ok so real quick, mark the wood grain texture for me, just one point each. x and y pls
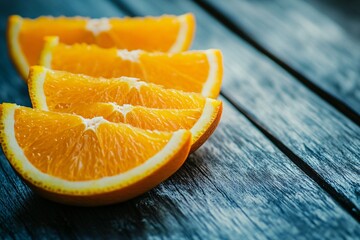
(325, 139)
(324, 51)
(236, 186)
(347, 15)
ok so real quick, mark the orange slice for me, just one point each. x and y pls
(200, 122)
(74, 160)
(164, 33)
(53, 90)
(192, 71)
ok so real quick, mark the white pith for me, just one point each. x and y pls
(203, 122)
(38, 85)
(93, 123)
(132, 56)
(15, 48)
(124, 109)
(212, 77)
(178, 45)
(97, 26)
(46, 54)
(132, 82)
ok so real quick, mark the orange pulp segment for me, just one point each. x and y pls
(52, 90)
(74, 160)
(192, 71)
(200, 122)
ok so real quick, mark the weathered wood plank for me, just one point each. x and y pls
(346, 15)
(325, 139)
(303, 37)
(238, 185)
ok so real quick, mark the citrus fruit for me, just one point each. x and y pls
(164, 33)
(191, 71)
(79, 161)
(52, 90)
(200, 122)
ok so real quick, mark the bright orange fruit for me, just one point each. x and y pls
(201, 122)
(53, 90)
(165, 33)
(192, 71)
(80, 161)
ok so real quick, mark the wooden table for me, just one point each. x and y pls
(284, 162)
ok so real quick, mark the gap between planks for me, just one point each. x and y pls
(333, 101)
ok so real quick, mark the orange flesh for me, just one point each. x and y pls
(62, 88)
(153, 34)
(145, 118)
(93, 61)
(127, 33)
(186, 71)
(33, 31)
(77, 154)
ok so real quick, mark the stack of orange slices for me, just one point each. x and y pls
(97, 134)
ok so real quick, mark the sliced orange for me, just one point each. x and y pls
(164, 33)
(192, 71)
(74, 160)
(53, 90)
(200, 122)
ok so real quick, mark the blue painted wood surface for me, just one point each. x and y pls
(283, 163)
(314, 134)
(323, 50)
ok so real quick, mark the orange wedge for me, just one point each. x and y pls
(164, 33)
(53, 90)
(79, 161)
(200, 122)
(192, 71)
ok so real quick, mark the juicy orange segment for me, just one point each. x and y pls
(81, 161)
(164, 33)
(53, 90)
(200, 122)
(192, 71)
